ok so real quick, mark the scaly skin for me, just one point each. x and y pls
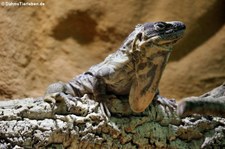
(211, 103)
(134, 69)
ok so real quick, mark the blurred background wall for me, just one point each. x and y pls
(55, 42)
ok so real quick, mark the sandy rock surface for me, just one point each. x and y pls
(55, 42)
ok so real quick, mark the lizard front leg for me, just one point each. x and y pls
(99, 92)
(53, 91)
(59, 93)
(170, 103)
(88, 83)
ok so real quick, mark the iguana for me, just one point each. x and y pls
(134, 69)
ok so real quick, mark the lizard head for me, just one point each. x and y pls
(163, 33)
(160, 34)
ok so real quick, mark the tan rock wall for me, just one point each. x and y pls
(41, 45)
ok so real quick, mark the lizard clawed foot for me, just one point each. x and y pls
(102, 99)
(182, 108)
(105, 110)
(165, 102)
(51, 98)
(60, 99)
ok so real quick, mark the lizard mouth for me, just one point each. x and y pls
(167, 39)
(170, 37)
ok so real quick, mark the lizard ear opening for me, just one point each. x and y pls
(138, 38)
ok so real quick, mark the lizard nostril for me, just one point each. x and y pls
(181, 26)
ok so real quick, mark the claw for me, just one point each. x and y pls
(166, 102)
(105, 110)
(51, 98)
(59, 99)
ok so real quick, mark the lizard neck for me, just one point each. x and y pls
(157, 67)
(150, 67)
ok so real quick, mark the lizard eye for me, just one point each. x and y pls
(160, 26)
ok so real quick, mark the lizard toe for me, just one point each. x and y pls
(105, 111)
